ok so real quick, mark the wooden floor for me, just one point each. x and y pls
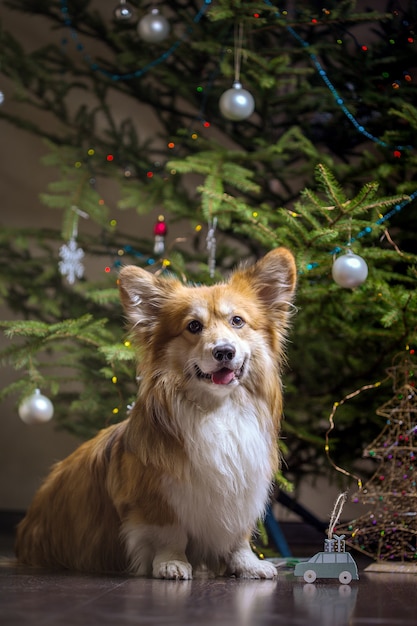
(33, 597)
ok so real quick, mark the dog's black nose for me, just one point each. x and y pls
(224, 352)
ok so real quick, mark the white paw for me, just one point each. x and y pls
(249, 566)
(263, 569)
(173, 570)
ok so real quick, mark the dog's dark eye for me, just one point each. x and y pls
(195, 326)
(237, 321)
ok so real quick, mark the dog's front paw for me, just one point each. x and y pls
(247, 565)
(173, 570)
(262, 569)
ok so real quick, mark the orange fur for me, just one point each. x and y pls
(182, 481)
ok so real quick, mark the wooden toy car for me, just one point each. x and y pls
(334, 562)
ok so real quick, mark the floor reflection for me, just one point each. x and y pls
(203, 602)
(326, 604)
(252, 599)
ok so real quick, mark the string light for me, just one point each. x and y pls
(336, 405)
(322, 73)
(309, 266)
(397, 150)
(338, 99)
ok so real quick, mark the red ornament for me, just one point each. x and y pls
(160, 227)
(160, 230)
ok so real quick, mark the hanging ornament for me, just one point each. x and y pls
(71, 266)
(123, 12)
(211, 246)
(153, 27)
(160, 231)
(71, 256)
(349, 270)
(237, 104)
(36, 409)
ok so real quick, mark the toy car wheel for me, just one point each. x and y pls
(310, 576)
(345, 578)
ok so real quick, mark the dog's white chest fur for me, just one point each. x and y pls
(229, 480)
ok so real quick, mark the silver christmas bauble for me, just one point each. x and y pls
(236, 103)
(153, 27)
(123, 12)
(36, 409)
(349, 270)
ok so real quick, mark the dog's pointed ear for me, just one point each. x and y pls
(274, 279)
(141, 293)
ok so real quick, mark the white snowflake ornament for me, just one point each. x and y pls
(71, 266)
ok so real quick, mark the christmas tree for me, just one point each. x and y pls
(388, 531)
(323, 164)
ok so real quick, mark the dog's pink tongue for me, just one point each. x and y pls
(223, 376)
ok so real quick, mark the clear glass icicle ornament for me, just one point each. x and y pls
(211, 246)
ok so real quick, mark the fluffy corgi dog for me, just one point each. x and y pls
(181, 482)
